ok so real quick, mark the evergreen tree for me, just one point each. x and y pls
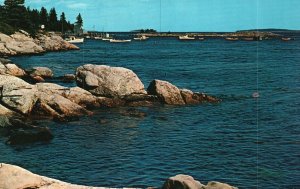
(34, 18)
(62, 22)
(53, 23)
(16, 14)
(44, 17)
(79, 20)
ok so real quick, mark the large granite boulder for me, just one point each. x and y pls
(43, 72)
(45, 99)
(7, 67)
(188, 182)
(166, 92)
(106, 81)
(21, 43)
(218, 185)
(182, 182)
(53, 42)
(17, 94)
(14, 177)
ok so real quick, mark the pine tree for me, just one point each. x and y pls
(53, 23)
(16, 14)
(79, 21)
(63, 22)
(44, 17)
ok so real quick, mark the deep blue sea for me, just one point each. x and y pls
(244, 141)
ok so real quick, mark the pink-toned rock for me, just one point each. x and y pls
(106, 81)
(182, 182)
(14, 177)
(166, 92)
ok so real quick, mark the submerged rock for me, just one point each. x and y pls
(106, 81)
(19, 131)
(29, 135)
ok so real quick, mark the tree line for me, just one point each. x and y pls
(15, 16)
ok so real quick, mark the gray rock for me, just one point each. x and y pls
(109, 81)
(11, 69)
(43, 72)
(218, 185)
(53, 42)
(21, 43)
(45, 99)
(17, 94)
(182, 182)
(166, 92)
(17, 177)
(188, 182)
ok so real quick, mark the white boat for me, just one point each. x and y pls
(97, 37)
(73, 39)
(107, 37)
(119, 40)
(142, 38)
(186, 37)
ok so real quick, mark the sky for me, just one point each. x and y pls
(178, 15)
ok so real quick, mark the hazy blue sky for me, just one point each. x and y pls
(178, 15)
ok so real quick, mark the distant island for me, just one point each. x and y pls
(269, 30)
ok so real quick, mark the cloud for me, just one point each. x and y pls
(73, 5)
(37, 1)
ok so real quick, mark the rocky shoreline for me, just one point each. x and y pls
(24, 96)
(21, 43)
(18, 178)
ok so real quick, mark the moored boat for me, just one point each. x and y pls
(186, 37)
(248, 39)
(232, 38)
(120, 40)
(286, 39)
(107, 37)
(142, 38)
(73, 39)
(201, 38)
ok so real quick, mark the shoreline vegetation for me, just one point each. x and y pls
(14, 16)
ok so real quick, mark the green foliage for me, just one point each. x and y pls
(14, 16)
(79, 20)
(6, 29)
(44, 17)
(53, 22)
(148, 31)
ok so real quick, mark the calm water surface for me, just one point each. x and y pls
(246, 142)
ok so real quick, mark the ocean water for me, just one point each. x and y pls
(244, 141)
